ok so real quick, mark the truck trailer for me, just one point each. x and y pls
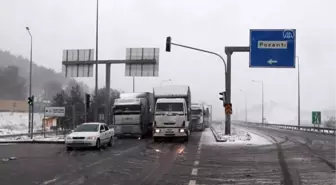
(172, 112)
(133, 114)
(197, 116)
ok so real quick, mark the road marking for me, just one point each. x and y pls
(192, 182)
(196, 163)
(194, 171)
(50, 181)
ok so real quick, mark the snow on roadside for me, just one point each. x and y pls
(35, 138)
(17, 122)
(238, 136)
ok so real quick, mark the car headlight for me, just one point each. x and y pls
(181, 130)
(157, 130)
(91, 137)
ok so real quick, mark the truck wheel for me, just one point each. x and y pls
(68, 148)
(98, 144)
(110, 141)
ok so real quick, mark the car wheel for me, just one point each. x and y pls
(155, 139)
(68, 148)
(110, 142)
(98, 144)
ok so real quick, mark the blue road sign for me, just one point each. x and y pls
(272, 48)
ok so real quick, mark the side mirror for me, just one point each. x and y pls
(101, 131)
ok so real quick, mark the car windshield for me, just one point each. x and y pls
(196, 111)
(87, 128)
(127, 109)
(169, 107)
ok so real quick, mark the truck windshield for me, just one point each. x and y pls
(196, 111)
(87, 128)
(173, 107)
(127, 109)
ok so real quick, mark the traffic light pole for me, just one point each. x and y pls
(228, 51)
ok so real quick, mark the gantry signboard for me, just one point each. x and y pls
(272, 48)
(78, 55)
(143, 70)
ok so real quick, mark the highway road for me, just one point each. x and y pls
(289, 158)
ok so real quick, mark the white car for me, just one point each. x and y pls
(90, 135)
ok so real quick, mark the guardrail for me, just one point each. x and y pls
(321, 130)
(60, 132)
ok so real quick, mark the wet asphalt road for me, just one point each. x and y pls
(289, 158)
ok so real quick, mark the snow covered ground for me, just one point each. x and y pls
(17, 122)
(238, 136)
(35, 138)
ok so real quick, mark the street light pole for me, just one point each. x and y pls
(262, 99)
(245, 105)
(96, 76)
(299, 93)
(30, 114)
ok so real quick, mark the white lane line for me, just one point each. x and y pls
(50, 181)
(194, 171)
(196, 163)
(192, 182)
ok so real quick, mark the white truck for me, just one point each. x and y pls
(172, 112)
(93, 134)
(133, 114)
(207, 116)
(197, 116)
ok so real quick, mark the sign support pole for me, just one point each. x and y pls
(107, 86)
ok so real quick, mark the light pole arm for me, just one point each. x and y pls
(202, 50)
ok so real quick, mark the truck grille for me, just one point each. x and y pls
(170, 123)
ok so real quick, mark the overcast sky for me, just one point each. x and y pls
(208, 24)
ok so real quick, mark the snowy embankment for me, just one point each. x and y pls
(35, 138)
(17, 122)
(238, 136)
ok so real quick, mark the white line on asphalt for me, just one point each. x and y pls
(194, 171)
(50, 181)
(196, 163)
(192, 182)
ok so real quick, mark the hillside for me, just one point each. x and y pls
(42, 76)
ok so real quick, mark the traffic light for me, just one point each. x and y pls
(168, 44)
(31, 100)
(87, 100)
(222, 94)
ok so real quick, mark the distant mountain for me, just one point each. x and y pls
(41, 75)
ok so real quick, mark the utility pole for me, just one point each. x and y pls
(96, 79)
(31, 113)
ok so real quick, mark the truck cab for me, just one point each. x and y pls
(172, 112)
(171, 118)
(133, 114)
(197, 117)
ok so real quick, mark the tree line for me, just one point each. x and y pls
(72, 98)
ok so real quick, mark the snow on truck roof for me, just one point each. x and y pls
(168, 100)
(175, 90)
(130, 95)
